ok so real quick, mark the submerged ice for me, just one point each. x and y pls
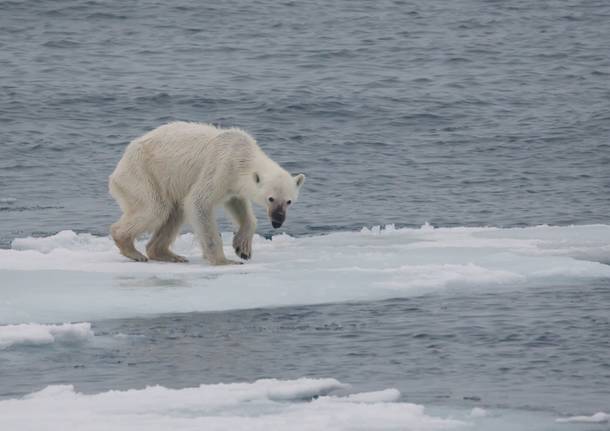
(72, 277)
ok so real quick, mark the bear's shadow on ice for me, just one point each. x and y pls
(155, 281)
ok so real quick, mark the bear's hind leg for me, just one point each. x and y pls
(158, 246)
(135, 222)
(123, 234)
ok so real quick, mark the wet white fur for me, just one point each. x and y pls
(187, 170)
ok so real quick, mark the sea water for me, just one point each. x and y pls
(445, 268)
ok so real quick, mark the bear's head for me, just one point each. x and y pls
(276, 193)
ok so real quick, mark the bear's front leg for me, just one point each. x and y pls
(204, 223)
(243, 217)
(242, 243)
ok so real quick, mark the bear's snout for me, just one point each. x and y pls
(277, 218)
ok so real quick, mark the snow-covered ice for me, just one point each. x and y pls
(302, 404)
(72, 277)
(37, 334)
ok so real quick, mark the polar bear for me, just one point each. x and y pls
(187, 170)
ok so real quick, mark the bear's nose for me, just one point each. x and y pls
(277, 218)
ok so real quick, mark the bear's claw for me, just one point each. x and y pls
(135, 255)
(242, 254)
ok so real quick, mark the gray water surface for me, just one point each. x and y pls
(542, 349)
(452, 112)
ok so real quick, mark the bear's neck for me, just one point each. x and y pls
(259, 162)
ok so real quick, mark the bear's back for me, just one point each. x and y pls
(175, 155)
(178, 134)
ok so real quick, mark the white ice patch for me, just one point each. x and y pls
(64, 240)
(35, 334)
(301, 404)
(599, 417)
(78, 277)
(385, 396)
(478, 412)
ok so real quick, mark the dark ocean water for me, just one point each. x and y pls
(516, 350)
(452, 112)
(458, 113)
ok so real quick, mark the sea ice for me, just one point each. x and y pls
(478, 412)
(36, 334)
(72, 277)
(302, 404)
(599, 417)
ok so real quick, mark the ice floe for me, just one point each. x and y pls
(478, 412)
(599, 417)
(71, 277)
(302, 404)
(36, 334)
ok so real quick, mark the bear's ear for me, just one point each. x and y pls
(257, 179)
(299, 179)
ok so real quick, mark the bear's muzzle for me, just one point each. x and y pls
(277, 218)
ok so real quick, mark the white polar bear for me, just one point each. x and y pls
(190, 169)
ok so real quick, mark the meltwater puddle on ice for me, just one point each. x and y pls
(71, 277)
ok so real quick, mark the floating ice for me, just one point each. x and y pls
(599, 417)
(64, 240)
(301, 404)
(35, 334)
(478, 412)
(385, 396)
(81, 277)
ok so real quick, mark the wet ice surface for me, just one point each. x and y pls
(492, 327)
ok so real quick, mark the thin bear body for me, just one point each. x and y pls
(184, 171)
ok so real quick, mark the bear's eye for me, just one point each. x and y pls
(271, 199)
(288, 202)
